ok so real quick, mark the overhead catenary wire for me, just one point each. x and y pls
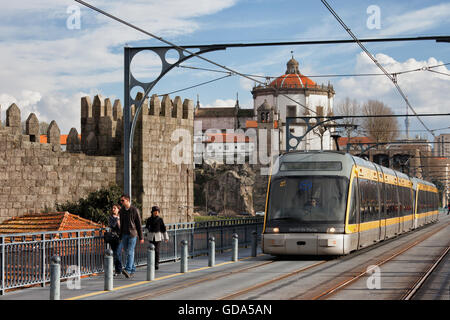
(391, 77)
(182, 49)
(196, 85)
(325, 75)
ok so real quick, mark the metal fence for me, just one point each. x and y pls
(25, 258)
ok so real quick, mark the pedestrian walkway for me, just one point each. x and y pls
(92, 287)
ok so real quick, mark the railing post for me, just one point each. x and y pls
(212, 252)
(221, 239)
(184, 256)
(192, 241)
(109, 267)
(234, 256)
(55, 274)
(175, 253)
(2, 245)
(44, 271)
(254, 243)
(79, 250)
(151, 262)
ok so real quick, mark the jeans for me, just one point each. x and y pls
(129, 244)
(117, 254)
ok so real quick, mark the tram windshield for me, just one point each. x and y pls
(308, 199)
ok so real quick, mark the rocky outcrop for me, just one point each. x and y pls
(229, 189)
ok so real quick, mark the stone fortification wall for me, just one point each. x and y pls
(34, 176)
(165, 160)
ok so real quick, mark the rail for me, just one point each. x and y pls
(25, 258)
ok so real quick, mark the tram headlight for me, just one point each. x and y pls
(273, 230)
(331, 230)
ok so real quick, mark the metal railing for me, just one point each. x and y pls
(25, 258)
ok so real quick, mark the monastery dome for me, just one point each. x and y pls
(292, 78)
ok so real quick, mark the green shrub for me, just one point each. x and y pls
(97, 205)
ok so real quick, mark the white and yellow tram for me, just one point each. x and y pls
(333, 203)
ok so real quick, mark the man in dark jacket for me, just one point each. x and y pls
(130, 230)
(157, 232)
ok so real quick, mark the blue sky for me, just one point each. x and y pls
(46, 66)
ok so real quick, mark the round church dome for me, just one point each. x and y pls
(292, 78)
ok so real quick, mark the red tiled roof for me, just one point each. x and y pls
(292, 80)
(251, 124)
(62, 138)
(254, 124)
(343, 141)
(226, 137)
(42, 222)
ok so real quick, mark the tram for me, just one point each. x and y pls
(333, 203)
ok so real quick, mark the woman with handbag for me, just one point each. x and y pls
(157, 232)
(114, 225)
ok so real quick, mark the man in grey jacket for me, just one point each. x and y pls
(130, 230)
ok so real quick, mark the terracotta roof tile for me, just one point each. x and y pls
(293, 81)
(62, 138)
(42, 222)
(343, 141)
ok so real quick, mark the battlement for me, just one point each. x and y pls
(102, 123)
(35, 175)
(13, 126)
(167, 108)
(101, 126)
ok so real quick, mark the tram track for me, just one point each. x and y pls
(322, 290)
(358, 271)
(421, 280)
(362, 270)
(271, 281)
(187, 284)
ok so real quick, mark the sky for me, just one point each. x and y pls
(53, 52)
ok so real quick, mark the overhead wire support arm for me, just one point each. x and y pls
(321, 120)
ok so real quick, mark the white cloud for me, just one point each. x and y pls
(219, 103)
(45, 67)
(417, 20)
(425, 90)
(27, 101)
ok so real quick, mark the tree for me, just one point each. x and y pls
(380, 129)
(97, 205)
(349, 107)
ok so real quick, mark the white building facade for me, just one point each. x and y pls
(295, 95)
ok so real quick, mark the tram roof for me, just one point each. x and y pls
(346, 159)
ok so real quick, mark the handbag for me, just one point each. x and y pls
(111, 237)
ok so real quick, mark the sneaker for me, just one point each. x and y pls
(125, 273)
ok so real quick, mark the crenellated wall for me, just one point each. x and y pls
(165, 177)
(34, 176)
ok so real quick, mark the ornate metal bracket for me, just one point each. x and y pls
(130, 82)
(319, 121)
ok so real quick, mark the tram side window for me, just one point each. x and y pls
(352, 218)
(401, 198)
(436, 201)
(382, 189)
(410, 201)
(421, 202)
(391, 201)
(405, 201)
(369, 204)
